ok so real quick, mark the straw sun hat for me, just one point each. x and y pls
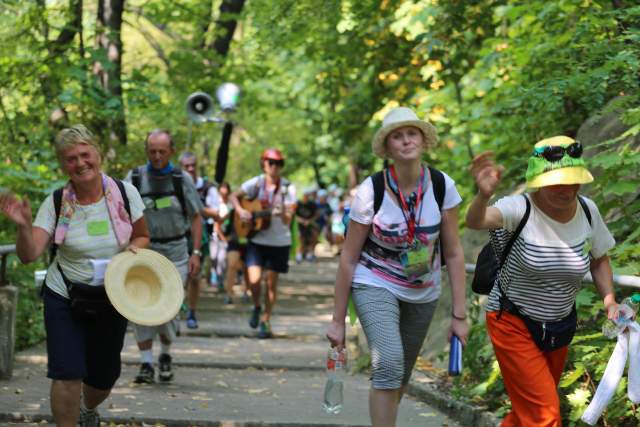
(397, 118)
(145, 287)
(566, 168)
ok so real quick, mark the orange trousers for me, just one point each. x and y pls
(530, 375)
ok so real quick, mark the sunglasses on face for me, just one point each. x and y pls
(279, 163)
(556, 153)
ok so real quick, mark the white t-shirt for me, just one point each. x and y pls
(381, 267)
(548, 260)
(78, 249)
(278, 234)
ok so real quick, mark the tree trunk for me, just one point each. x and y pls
(226, 25)
(108, 39)
(50, 84)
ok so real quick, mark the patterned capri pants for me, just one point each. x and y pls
(395, 331)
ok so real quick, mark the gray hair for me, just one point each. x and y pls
(187, 155)
(70, 137)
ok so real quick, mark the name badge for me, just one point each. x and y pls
(415, 262)
(98, 228)
(164, 202)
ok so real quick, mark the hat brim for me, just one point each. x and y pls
(145, 287)
(429, 132)
(562, 176)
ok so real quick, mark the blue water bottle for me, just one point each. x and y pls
(455, 356)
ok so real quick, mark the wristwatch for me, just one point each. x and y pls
(196, 252)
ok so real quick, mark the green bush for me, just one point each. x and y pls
(29, 316)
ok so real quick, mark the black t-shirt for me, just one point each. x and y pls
(306, 210)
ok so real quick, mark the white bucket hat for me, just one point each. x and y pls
(397, 118)
(145, 287)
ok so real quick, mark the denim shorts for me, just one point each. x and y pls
(274, 258)
(80, 350)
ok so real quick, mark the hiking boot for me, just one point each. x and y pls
(264, 330)
(89, 418)
(164, 367)
(227, 300)
(255, 317)
(146, 374)
(192, 322)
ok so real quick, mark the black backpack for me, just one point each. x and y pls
(487, 265)
(57, 205)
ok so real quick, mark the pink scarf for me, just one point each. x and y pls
(120, 220)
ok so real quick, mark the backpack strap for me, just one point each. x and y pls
(176, 179)
(57, 206)
(125, 198)
(507, 249)
(135, 178)
(439, 189)
(585, 208)
(378, 190)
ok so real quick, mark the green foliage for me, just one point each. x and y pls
(29, 315)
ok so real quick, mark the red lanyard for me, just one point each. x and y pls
(266, 201)
(411, 217)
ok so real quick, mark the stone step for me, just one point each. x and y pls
(215, 397)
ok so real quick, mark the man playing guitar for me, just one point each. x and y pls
(268, 248)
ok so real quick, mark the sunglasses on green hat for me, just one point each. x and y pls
(555, 153)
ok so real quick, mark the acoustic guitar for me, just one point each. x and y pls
(260, 219)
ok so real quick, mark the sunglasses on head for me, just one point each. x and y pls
(272, 162)
(556, 153)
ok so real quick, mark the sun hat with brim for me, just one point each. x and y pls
(566, 171)
(397, 118)
(144, 287)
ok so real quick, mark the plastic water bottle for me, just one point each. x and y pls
(455, 356)
(336, 365)
(627, 310)
(345, 217)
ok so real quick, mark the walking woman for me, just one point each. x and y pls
(391, 259)
(94, 223)
(531, 316)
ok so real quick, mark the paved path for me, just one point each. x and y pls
(224, 376)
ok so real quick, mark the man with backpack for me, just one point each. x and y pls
(172, 208)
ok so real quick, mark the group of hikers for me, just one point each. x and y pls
(402, 229)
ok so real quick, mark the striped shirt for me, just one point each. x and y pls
(548, 260)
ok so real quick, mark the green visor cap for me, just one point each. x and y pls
(566, 171)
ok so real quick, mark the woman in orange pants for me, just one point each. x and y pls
(556, 237)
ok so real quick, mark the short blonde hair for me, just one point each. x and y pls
(70, 137)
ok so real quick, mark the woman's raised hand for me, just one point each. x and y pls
(18, 211)
(486, 173)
